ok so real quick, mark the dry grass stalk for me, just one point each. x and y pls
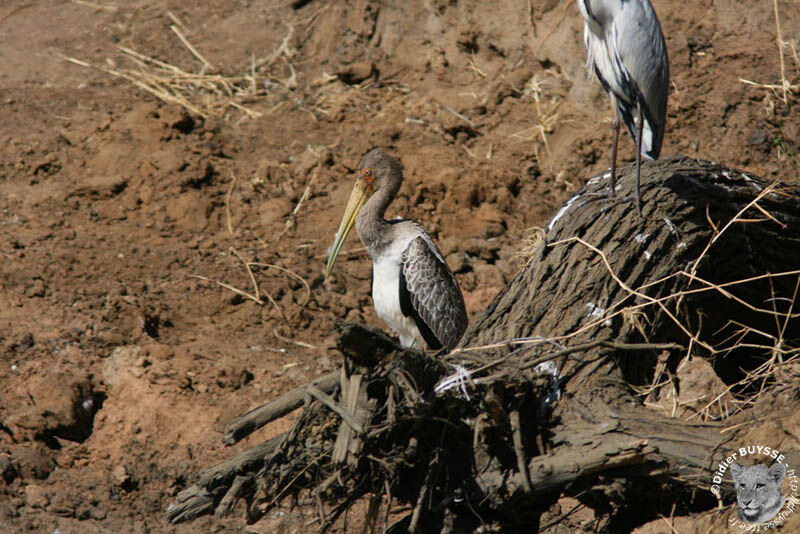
(236, 290)
(253, 279)
(174, 18)
(283, 50)
(206, 65)
(256, 296)
(533, 238)
(205, 94)
(473, 66)
(93, 5)
(290, 221)
(786, 87)
(736, 219)
(228, 204)
(458, 115)
(293, 341)
(779, 38)
(546, 113)
(288, 272)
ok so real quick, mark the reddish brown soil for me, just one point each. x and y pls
(113, 202)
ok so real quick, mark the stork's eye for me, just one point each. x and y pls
(367, 174)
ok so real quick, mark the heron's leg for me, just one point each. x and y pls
(611, 198)
(612, 182)
(640, 130)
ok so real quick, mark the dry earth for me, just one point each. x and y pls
(120, 365)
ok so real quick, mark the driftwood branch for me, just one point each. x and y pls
(341, 412)
(213, 484)
(248, 423)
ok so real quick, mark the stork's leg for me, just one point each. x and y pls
(640, 128)
(612, 181)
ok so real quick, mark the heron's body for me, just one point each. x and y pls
(626, 51)
(413, 289)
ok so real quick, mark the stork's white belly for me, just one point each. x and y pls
(386, 297)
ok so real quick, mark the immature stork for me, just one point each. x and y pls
(626, 49)
(413, 289)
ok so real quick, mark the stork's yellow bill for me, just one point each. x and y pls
(361, 192)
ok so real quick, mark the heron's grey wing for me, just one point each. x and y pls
(429, 293)
(605, 46)
(643, 52)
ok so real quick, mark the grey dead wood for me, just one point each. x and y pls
(233, 494)
(598, 442)
(246, 424)
(349, 428)
(214, 483)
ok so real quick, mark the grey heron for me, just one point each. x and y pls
(626, 50)
(413, 289)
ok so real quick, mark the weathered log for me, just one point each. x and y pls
(596, 260)
(604, 294)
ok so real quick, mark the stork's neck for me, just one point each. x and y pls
(375, 232)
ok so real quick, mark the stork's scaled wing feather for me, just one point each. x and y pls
(427, 284)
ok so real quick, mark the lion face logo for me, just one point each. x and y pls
(758, 491)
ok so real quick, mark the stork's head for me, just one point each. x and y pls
(381, 170)
(378, 172)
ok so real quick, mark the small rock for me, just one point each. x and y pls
(37, 288)
(757, 137)
(489, 276)
(493, 229)
(273, 210)
(6, 510)
(152, 501)
(35, 496)
(102, 186)
(120, 360)
(59, 407)
(191, 209)
(63, 504)
(121, 475)
(356, 72)
(457, 262)
(24, 343)
(354, 316)
(183, 123)
(33, 461)
(7, 470)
